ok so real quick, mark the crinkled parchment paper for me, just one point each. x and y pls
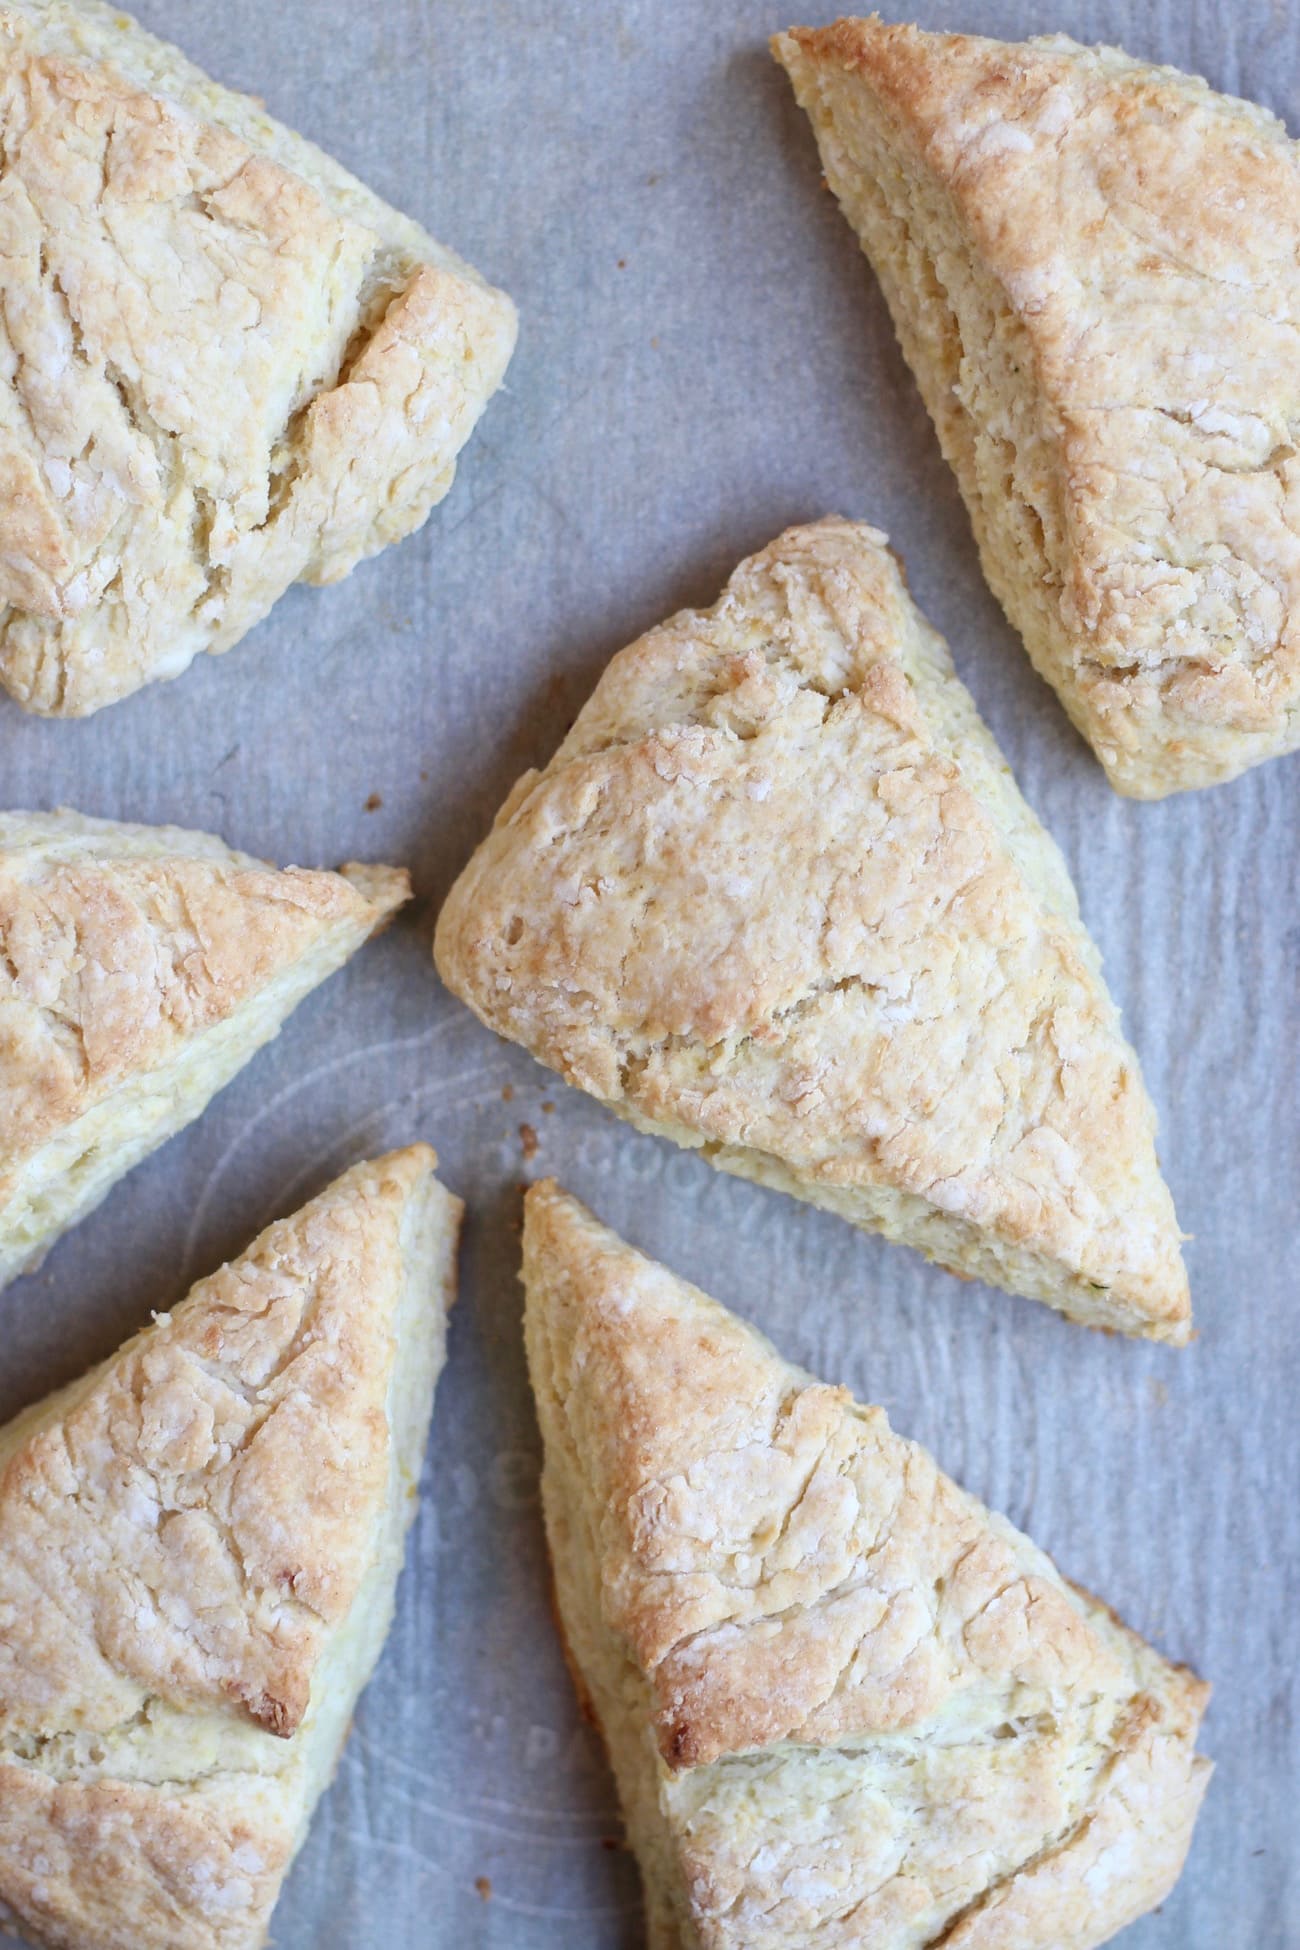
(704, 358)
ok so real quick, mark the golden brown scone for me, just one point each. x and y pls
(845, 1703)
(140, 968)
(225, 366)
(1093, 267)
(199, 1547)
(777, 897)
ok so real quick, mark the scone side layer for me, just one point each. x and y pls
(177, 1829)
(141, 968)
(672, 1437)
(167, 472)
(1046, 221)
(1009, 528)
(612, 1688)
(778, 898)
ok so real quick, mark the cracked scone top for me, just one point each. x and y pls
(845, 1703)
(1094, 269)
(140, 968)
(225, 366)
(777, 896)
(199, 1546)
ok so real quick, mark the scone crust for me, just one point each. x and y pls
(111, 1865)
(777, 896)
(184, 1536)
(119, 942)
(1140, 236)
(777, 1576)
(202, 1516)
(226, 365)
(140, 968)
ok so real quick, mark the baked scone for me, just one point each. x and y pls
(777, 897)
(140, 968)
(845, 1703)
(199, 1546)
(1093, 266)
(225, 366)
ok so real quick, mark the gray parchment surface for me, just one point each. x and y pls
(704, 357)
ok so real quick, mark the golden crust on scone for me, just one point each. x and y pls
(1092, 269)
(225, 366)
(140, 968)
(845, 1703)
(777, 896)
(199, 1546)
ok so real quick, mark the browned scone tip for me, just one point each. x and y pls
(385, 888)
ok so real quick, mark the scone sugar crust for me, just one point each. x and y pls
(1093, 267)
(199, 1545)
(846, 1704)
(225, 365)
(140, 968)
(777, 897)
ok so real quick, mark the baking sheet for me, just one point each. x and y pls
(704, 358)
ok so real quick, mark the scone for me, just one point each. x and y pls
(140, 968)
(778, 898)
(1092, 267)
(845, 1703)
(225, 366)
(199, 1546)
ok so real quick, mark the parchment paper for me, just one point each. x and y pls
(704, 358)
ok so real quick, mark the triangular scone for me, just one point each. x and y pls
(225, 366)
(845, 1703)
(1093, 267)
(199, 1545)
(140, 968)
(777, 896)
